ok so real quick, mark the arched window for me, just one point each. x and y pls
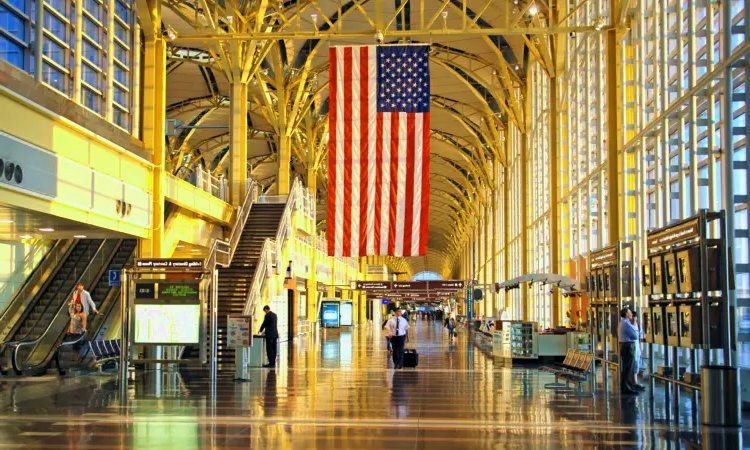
(421, 276)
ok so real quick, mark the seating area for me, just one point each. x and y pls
(574, 370)
(104, 351)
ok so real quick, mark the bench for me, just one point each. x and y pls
(105, 351)
(574, 369)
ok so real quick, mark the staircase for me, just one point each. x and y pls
(235, 281)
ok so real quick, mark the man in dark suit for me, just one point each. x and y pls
(272, 335)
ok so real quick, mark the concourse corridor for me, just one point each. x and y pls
(338, 391)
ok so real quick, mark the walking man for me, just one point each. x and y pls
(83, 297)
(628, 337)
(397, 328)
(272, 335)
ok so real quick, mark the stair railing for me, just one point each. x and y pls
(222, 251)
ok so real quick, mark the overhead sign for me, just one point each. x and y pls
(169, 263)
(443, 285)
(114, 278)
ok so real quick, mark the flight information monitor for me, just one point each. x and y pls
(167, 313)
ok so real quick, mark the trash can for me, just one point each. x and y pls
(257, 353)
(720, 396)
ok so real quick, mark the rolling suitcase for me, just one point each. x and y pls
(411, 358)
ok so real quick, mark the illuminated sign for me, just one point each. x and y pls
(346, 314)
(167, 312)
(169, 263)
(167, 324)
(329, 314)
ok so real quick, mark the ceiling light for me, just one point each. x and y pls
(314, 18)
(46, 230)
(25, 236)
(516, 66)
(533, 10)
(599, 23)
(6, 221)
(171, 33)
(80, 236)
(180, 246)
(445, 14)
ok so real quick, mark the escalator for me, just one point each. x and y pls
(43, 326)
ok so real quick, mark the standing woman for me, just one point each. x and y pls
(450, 324)
(77, 327)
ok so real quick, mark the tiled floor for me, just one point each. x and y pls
(337, 391)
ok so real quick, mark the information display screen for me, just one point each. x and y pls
(346, 314)
(167, 324)
(167, 313)
(330, 314)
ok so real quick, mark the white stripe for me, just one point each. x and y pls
(418, 130)
(385, 200)
(356, 136)
(372, 136)
(339, 151)
(401, 186)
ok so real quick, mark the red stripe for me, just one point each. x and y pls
(364, 136)
(424, 213)
(394, 185)
(331, 220)
(347, 232)
(409, 195)
(378, 179)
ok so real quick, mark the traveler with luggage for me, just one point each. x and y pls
(397, 328)
(450, 324)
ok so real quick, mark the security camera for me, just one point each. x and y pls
(379, 37)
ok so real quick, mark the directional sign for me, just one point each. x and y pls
(443, 285)
(373, 285)
(169, 263)
(114, 278)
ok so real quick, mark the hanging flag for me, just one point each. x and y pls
(378, 150)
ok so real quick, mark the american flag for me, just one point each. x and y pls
(379, 150)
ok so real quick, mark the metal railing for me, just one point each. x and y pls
(222, 251)
(273, 249)
(203, 180)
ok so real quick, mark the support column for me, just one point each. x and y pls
(237, 141)
(362, 265)
(554, 189)
(285, 154)
(614, 84)
(312, 304)
(493, 278)
(506, 222)
(524, 226)
(154, 116)
(487, 299)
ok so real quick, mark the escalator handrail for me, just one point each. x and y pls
(65, 247)
(25, 342)
(29, 310)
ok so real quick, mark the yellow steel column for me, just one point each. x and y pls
(237, 141)
(312, 282)
(154, 116)
(554, 188)
(506, 219)
(108, 108)
(524, 225)
(38, 43)
(487, 299)
(362, 266)
(77, 69)
(493, 275)
(285, 154)
(614, 84)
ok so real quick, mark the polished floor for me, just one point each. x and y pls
(337, 390)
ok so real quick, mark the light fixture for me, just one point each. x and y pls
(314, 18)
(171, 33)
(516, 66)
(25, 236)
(445, 15)
(46, 230)
(6, 221)
(180, 246)
(80, 236)
(599, 23)
(533, 10)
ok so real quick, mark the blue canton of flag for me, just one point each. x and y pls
(403, 78)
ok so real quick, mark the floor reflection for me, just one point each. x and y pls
(338, 390)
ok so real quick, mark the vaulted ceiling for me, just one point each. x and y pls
(476, 81)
